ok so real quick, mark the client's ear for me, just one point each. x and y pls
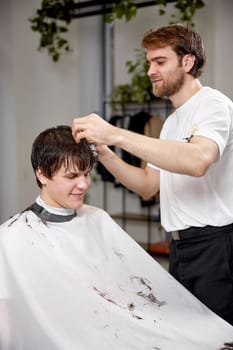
(40, 176)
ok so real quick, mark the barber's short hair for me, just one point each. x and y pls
(183, 40)
(55, 147)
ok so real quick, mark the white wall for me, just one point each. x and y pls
(8, 181)
(223, 48)
(36, 93)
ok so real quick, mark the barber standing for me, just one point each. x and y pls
(191, 165)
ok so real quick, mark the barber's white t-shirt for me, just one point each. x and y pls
(208, 200)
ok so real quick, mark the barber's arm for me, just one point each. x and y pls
(190, 158)
(144, 182)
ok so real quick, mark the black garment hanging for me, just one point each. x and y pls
(136, 124)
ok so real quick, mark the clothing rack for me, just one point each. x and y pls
(158, 107)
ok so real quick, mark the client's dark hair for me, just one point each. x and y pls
(55, 147)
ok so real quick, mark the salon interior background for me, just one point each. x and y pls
(36, 93)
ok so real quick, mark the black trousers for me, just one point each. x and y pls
(203, 263)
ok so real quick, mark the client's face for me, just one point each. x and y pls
(66, 189)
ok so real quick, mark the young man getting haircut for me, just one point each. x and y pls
(72, 279)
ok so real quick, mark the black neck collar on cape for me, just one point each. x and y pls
(45, 215)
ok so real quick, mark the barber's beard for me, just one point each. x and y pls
(170, 86)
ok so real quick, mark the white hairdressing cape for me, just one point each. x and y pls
(86, 285)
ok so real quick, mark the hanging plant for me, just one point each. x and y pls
(186, 10)
(139, 89)
(52, 20)
(122, 9)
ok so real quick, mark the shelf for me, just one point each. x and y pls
(135, 217)
(160, 248)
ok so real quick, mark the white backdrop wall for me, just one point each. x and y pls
(36, 93)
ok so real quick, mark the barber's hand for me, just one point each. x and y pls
(94, 129)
